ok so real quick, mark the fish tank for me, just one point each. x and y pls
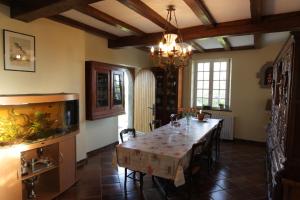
(36, 117)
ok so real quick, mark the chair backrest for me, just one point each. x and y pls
(207, 114)
(208, 145)
(195, 149)
(155, 124)
(128, 131)
(219, 129)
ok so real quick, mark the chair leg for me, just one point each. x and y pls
(134, 176)
(125, 181)
(141, 183)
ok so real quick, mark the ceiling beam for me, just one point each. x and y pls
(197, 46)
(256, 7)
(84, 27)
(271, 23)
(141, 8)
(30, 10)
(201, 11)
(224, 42)
(99, 15)
(257, 40)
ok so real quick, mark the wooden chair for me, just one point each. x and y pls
(155, 124)
(217, 139)
(131, 132)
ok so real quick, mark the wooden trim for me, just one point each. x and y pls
(224, 42)
(147, 12)
(82, 26)
(97, 151)
(270, 23)
(99, 15)
(257, 40)
(28, 11)
(201, 11)
(81, 163)
(36, 98)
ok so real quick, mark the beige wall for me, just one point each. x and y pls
(60, 55)
(247, 98)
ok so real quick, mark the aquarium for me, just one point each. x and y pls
(32, 121)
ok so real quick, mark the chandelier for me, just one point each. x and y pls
(171, 50)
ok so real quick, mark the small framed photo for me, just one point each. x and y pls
(19, 51)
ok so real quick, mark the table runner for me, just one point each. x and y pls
(164, 152)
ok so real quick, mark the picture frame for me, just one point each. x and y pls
(19, 51)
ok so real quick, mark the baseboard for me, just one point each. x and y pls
(96, 151)
(237, 140)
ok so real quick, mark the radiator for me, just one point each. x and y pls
(227, 132)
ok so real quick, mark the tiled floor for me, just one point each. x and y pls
(240, 174)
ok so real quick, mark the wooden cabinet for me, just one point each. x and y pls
(168, 93)
(283, 149)
(104, 90)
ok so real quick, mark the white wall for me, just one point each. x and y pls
(60, 55)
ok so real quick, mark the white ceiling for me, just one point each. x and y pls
(244, 40)
(209, 43)
(125, 14)
(280, 6)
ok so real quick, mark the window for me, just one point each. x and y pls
(212, 83)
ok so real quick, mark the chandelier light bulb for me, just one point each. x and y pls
(152, 50)
(189, 49)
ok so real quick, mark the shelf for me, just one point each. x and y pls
(41, 171)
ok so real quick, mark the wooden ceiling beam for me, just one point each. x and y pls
(257, 40)
(29, 10)
(256, 7)
(141, 8)
(224, 42)
(197, 46)
(201, 11)
(99, 15)
(271, 23)
(84, 27)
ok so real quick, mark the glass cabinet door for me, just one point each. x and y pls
(102, 89)
(118, 88)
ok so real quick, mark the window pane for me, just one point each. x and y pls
(206, 76)
(200, 76)
(216, 75)
(206, 67)
(222, 101)
(206, 84)
(200, 85)
(215, 103)
(223, 85)
(222, 94)
(199, 102)
(223, 76)
(216, 94)
(216, 66)
(216, 85)
(223, 66)
(199, 93)
(205, 93)
(200, 66)
(205, 102)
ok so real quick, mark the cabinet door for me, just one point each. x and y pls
(117, 100)
(67, 168)
(10, 182)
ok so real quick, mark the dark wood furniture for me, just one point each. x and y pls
(154, 124)
(283, 149)
(168, 92)
(104, 85)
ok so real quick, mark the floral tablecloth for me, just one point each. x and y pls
(165, 152)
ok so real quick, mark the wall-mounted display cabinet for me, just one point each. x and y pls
(104, 85)
(37, 145)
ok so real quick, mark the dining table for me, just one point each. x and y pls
(165, 152)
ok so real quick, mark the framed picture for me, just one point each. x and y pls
(19, 51)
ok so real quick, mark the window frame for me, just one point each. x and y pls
(211, 74)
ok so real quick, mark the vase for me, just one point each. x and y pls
(188, 119)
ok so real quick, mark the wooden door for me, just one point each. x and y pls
(10, 182)
(67, 167)
(144, 99)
